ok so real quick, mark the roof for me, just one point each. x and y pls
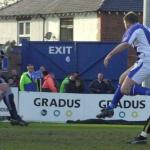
(122, 5)
(36, 7)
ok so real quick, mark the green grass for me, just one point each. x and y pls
(46, 136)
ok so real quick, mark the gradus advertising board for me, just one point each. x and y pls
(52, 107)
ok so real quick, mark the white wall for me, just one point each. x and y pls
(36, 30)
(87, 28)
(8, 30)
(53, 25)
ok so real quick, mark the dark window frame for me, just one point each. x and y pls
(66, 29)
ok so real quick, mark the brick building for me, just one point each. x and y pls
(115, 31)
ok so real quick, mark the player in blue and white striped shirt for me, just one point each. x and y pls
(137, 36)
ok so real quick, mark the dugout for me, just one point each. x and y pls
(62, 58)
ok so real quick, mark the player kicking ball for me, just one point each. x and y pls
(138, 36)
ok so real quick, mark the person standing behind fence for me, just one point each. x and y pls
(109, 86)
(98, 85)
(27, 80)
(66, 81)
(74, 86)
(15, 77)
(48, 83)
(39, 76)
(55, 80)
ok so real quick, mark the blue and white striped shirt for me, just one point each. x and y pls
(138, 36)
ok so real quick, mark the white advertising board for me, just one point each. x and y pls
(58, 107)
(3, 108)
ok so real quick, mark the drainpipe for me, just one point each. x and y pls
(146, 21)
(146, 13)
(44, 20)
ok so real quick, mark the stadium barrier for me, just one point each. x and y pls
(61, 107)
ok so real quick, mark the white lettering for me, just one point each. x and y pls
(62, 50)
(51, 50)
(58, 50)
(68, 49)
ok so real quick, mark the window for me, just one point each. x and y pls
(23, 30)
(66, 29)
(28, 28)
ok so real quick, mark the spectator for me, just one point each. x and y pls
(79, 86)
(98, 85)
(39, 76)
(48, 84)
(28, 81)
(70, 87)
(74, 86)
(3, 76)
(15, 77)
(109, 87)
(55, 81)
(11, 82)
(14, 72)
(71, 78)
(41, 69)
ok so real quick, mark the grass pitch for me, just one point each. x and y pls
(46, 136)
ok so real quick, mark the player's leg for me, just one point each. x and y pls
(146, 128)
(138, 77)
(142, 137)
(130, 86)
(124, 89)
(108, 111)
(139, 74)
(8, 98)
(118, 94)
(136, 89)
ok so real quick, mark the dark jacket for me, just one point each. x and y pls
(97, 87)
(73, 87)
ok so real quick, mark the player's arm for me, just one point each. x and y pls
(127, 40)
(119, 48)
